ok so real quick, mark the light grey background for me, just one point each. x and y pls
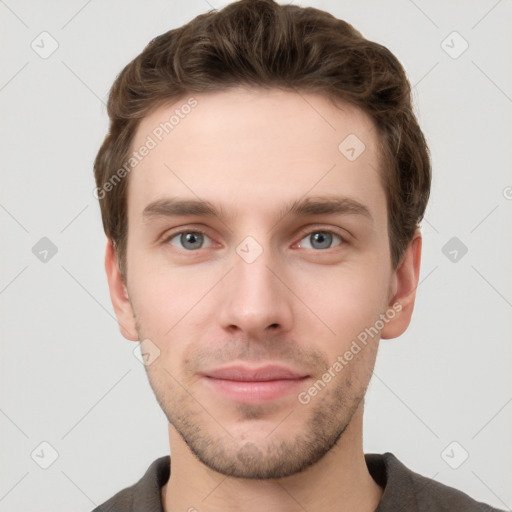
(68, 378)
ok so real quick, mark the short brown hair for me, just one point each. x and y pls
(259, 43)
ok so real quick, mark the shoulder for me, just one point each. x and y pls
(144, 495)
(414, 492)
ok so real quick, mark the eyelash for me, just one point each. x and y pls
(302, 235)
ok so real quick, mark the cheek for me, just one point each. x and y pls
(165, 298)
(347, 298)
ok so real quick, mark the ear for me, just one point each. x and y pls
(119, 295)
(404, 284)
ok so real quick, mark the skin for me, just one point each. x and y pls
(253, 152)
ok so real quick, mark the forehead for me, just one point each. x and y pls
(252, 147)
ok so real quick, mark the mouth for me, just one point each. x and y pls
(254, 385)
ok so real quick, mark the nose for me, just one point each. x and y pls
(256, 298)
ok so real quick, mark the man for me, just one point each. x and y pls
(261, 187)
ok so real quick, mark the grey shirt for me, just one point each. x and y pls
(404, 490)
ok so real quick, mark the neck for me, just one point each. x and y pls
(339, 482)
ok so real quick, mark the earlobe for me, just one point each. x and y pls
(405, 278)
(119, 295)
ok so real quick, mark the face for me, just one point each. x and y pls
(257, 256)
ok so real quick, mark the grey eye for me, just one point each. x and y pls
(188, 240)
(319, 240)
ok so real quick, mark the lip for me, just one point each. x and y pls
(253, 385)
(259, 374)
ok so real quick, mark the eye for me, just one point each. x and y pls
(188, 240)
(320, 240)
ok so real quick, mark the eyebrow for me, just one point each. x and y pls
(310, 206)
